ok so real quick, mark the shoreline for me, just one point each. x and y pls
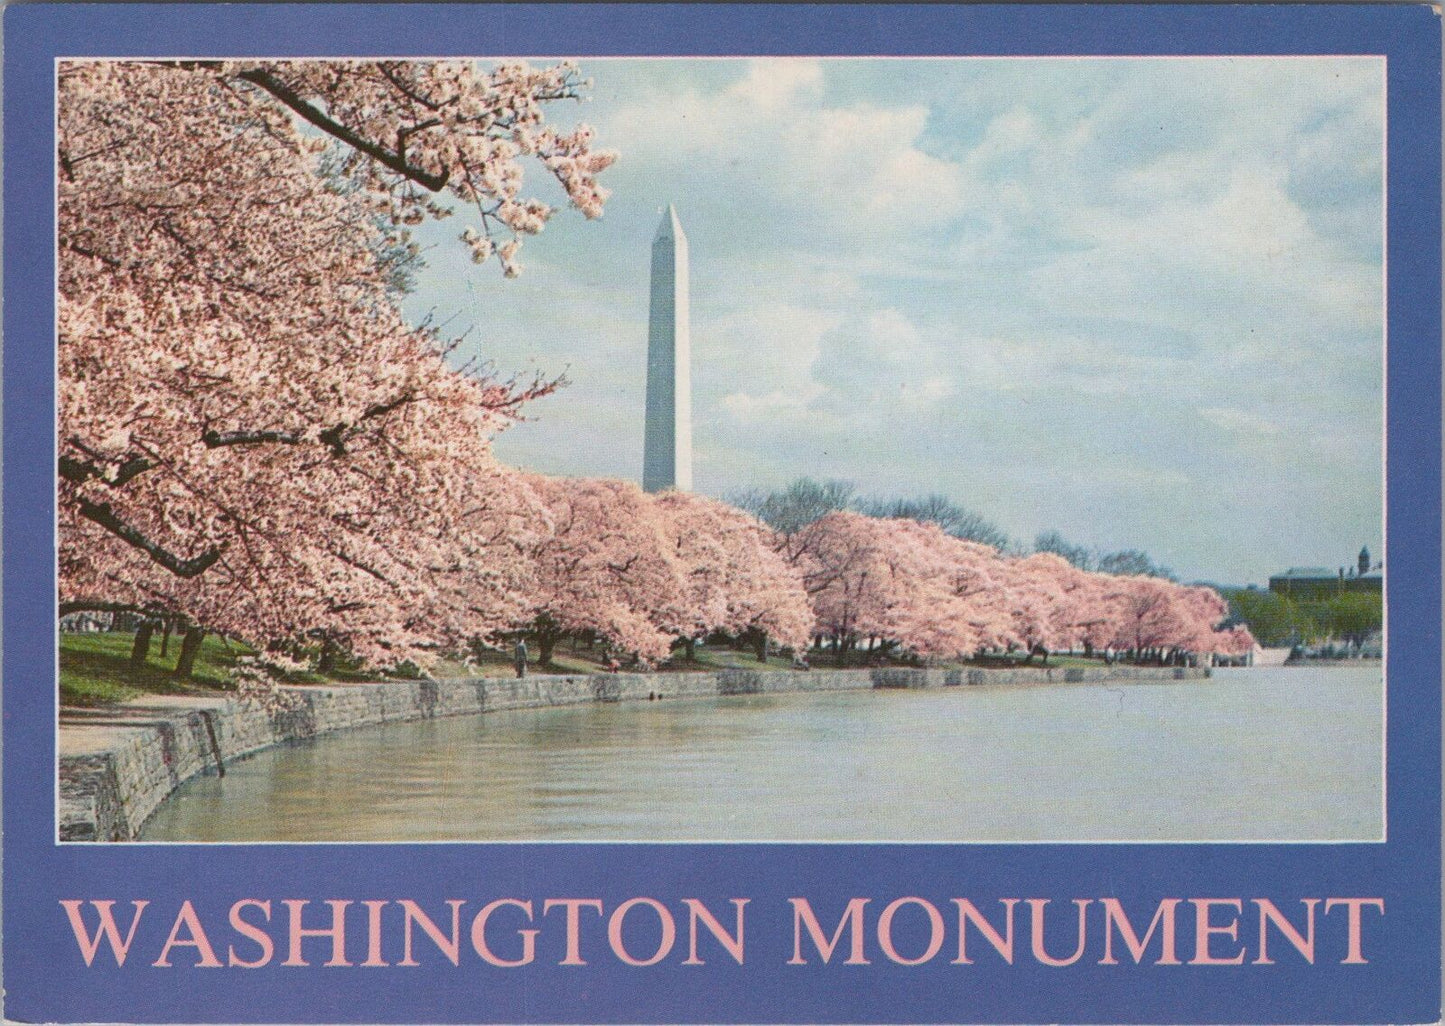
(1325, 664)
(117, 765)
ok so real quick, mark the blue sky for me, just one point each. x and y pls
(1136, 301)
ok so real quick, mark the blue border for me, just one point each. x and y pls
(44, 978)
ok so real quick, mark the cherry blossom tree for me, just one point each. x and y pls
(604, 564)
(1207, 610)
(735, 579)
(980, 578)
(1042, 618)
(900, 584)
(251, 436)
(1098, 612)
(1236, 640)
(886, 583)
(1156, 618)
(413, 130)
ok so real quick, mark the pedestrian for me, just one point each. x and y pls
(519, 656)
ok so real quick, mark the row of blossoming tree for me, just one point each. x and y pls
(254, 441)
(889, 584)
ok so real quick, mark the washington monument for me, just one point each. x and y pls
(667, 437)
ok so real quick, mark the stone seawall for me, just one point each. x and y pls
(117, 766)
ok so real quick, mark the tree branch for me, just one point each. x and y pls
(333, 437)
(76, 247)
(102, 514)
(356, 563)
(321, 120)
(82, 606)
(620, 570)
(219, 439)
(79, 472)
(386, 70)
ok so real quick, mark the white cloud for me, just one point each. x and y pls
(807, 164)
(1062, 290)
(775, 84)
(758, 360)
(1239, 421)
(748, 409)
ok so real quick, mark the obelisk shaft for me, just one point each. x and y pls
(667, 438)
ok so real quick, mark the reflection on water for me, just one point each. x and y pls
(1261, 754)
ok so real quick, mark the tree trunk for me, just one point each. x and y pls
(326, 664)
(142, 647)
(166, 637)
(546, 641)
(760, 646)
(689, 648)
(190, 648)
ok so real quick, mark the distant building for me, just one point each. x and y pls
(1318, 582)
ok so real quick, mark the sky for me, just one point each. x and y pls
(1138, 302)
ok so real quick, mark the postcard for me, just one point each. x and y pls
(651, 513)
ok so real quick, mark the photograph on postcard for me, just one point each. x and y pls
(890, 450)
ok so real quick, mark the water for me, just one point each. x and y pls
(1256, 754)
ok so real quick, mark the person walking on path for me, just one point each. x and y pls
(519, 656)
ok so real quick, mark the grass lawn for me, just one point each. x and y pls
(499, 664)
(1057, 660)
(718, 657)
(578, 658)
(95, 668)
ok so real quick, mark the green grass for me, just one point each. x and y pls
(717, 657)
(498, 663)
(95, 668)
(577, 658)
(1016, 660)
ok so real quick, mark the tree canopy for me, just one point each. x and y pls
(251, 436)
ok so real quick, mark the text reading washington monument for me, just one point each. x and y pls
(667, 438)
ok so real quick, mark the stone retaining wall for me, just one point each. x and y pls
(108, 793)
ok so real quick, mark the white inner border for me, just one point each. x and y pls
(1384, 432)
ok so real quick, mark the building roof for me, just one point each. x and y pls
(1323, 575)
(1305, 573)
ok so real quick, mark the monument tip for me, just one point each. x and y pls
(671, 227)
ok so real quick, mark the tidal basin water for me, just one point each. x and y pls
(1251, 754)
